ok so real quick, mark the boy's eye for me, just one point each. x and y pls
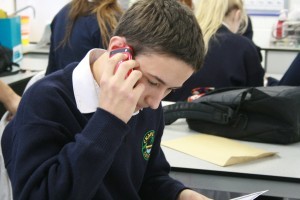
(173, 89)
(153, 83)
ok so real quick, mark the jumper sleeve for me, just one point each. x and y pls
(55, 153)
(255, 71)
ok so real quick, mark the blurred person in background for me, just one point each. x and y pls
(80, 26)
(232, 60)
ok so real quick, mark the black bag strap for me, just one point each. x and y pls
(9, 73)
(210, 112)
(9, 67)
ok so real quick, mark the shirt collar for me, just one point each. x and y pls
(86, 89)
(226, 25)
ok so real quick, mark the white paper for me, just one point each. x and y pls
(250, 196)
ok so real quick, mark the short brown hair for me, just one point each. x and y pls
(165, 27)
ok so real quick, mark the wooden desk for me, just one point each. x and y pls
(279, 174)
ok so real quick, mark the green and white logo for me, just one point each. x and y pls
(147, 143)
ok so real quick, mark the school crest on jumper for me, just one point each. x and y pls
(147, 143)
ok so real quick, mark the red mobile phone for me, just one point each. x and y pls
(127, 50)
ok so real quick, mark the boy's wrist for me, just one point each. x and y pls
(11, 101)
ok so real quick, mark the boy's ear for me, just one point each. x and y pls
(116, 42)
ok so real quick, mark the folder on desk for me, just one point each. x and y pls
(217, 150)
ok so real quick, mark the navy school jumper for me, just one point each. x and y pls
(232, 60)
(52, 151)
(85, 36)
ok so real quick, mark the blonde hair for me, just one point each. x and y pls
(211, 13)
(107, 12)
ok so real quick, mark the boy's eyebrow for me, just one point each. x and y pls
(163, 82)
(158, 79)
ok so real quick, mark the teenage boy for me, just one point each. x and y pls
(92, 130)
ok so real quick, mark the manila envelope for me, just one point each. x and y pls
(217, 150)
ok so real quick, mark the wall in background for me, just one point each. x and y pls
(45, 10)
(277, 62)
(294, 4)
(262, 25)
(44, 13)
(7, 5)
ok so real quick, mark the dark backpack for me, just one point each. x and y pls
(259, 114)
(6, 61)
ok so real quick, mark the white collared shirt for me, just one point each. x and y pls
(86, 89)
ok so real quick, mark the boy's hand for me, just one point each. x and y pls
(191, 195)
(119, 93)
